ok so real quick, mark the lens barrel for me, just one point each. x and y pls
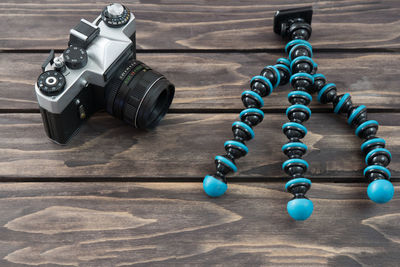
(138, 95)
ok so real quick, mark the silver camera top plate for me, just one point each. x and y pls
(103, 51)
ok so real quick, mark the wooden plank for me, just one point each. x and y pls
(121, 224)
(210, 81)
(181, 148)
(204, 25)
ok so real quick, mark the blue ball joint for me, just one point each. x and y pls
(299, 208)
(380, 191)
(213, 186)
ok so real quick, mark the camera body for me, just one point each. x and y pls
(98, 71)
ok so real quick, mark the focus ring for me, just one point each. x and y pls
(136, 96)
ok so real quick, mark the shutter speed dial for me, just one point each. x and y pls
(75, 57)
(115, 15)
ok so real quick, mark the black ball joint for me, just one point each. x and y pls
(295, 167)
(296, 150)
(298, 114)
(294, 132)
(298, 190)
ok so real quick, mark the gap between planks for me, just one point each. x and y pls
(241, 51)
(216, 111)
(231, 180)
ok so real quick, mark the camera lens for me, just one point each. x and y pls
(138, 95)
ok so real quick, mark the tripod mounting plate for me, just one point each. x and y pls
(282, 17)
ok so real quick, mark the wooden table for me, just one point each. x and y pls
(116, 196)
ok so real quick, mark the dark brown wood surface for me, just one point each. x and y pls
(116, 196)
(205, 24)
(175, 224)
(182, 148)
(214, 81)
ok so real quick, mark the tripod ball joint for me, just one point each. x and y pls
(251, 99)
(261, 85)
(319, 82)
(284, 70)
(302, 64)
(299, 207)
(342, 103)
(271, 73)
(299, 97)
(327, 93)
(302, 81)
(242, 132)
(380, 191)
(214, 187)
(251, 116)
(295, 167)
(294, 149)
(356, 115)
(299, 50)
(235, 149)
(367, 129)
(299, 30)
(378, 156)
(298, 113)
(294, 131)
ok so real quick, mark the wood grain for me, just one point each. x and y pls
(181, 148)
(164, 224)
(214, 82)
(219, 24)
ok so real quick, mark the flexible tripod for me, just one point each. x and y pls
(295, 25)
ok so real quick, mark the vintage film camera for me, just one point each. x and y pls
(98, 71)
